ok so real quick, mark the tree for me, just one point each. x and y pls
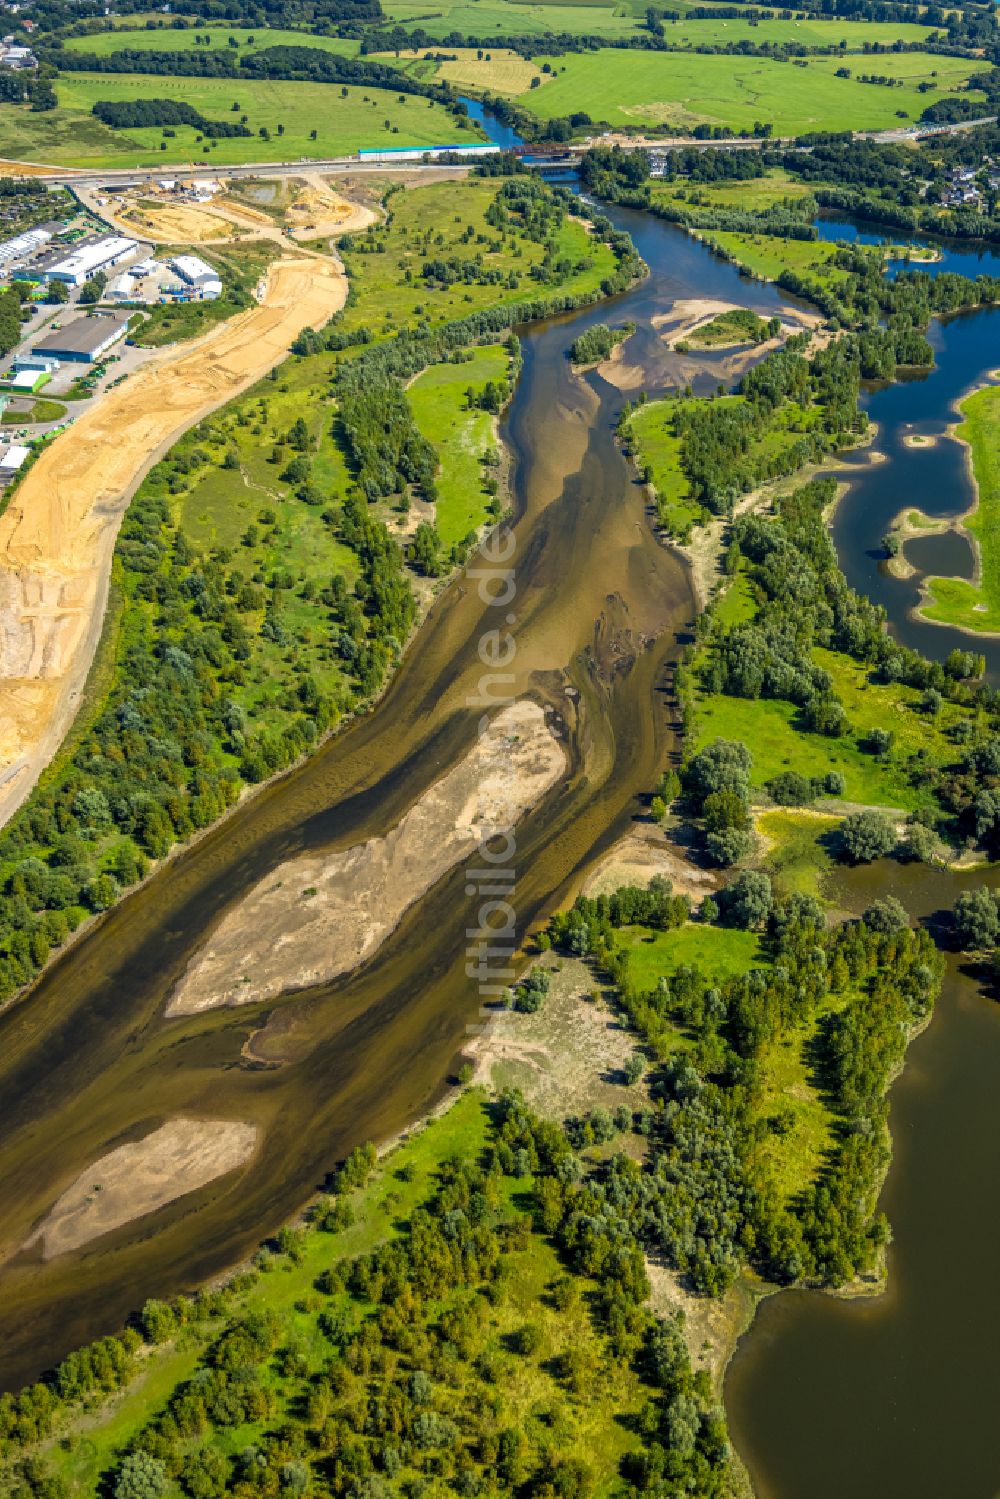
(977, 920)
(723, 765)
(728, 846)
(865, 836)
(886, 915)
(141, 1477)
(920, 843)
(747, 901)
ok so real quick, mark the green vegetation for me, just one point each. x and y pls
(439, 256)
(955, 601)
(752, 195)
(741, 326)
(315, 120)
(447, 1289)
(677, 91)
(769, 257)
(39, 411)
(717, 953)
(171, 39)
(455, 407)
(488, 18)
(265, 589)
(598, 342)
(699, 456)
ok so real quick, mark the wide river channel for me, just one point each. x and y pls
(896, 1396)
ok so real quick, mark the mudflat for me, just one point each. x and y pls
(133, 1180)
(320, 915)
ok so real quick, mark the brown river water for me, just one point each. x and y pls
(88, 1061)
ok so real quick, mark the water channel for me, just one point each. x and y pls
(874, 1399)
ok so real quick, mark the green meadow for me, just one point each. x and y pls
(463, 436)
(647, 90)
(955, 601)
(385, 264)
(487, 18)
(221, 38)
(289, 112)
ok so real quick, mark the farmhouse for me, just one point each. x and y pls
(84, 339)
(87, 260)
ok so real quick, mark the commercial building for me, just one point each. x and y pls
(11, 460)
(24, 244)
(86, 260)
(39, 364)
(418, 153)
(84, 339)
(121, 289)
(25, 381)
(193, 270)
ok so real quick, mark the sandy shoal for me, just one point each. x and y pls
(317, 916)
(58, 533)
(133, 1180)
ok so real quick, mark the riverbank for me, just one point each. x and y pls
(974, 605)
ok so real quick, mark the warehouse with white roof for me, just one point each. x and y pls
(87, 260)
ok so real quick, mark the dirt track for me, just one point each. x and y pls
(58, 533)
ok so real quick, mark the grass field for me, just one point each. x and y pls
(463, 437)
(717, 952)
(769, 728)
(647, 90)
(499, 71)
(753, 195)
(798, 849)
(487, 18)
(954, 601)
(248, 39)
(810, 31)
(71, 135)
(766, 256)
(434, 220)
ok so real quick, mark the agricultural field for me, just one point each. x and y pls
(167, 39)
(497, 71)
(488, 18)
(463, 436)
(433, 223)
(956, 601)
(651, 90)
(291, 113)
(808, 31)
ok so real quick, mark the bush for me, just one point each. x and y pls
(865, 836)
(977, 920)
(747, 901)
(886, 915)
(729, 846)
(790, 789)
(920, 844)
(141, 1477)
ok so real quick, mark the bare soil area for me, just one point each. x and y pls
(321, 915)
(133, 1180)
(174, 223)
(644, 852)
(58, 532)
(567, 1058)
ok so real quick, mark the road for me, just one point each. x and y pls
(70, 176)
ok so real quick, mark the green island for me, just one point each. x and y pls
(955, 601)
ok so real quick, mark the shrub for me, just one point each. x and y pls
(747, 901)
(865, 836)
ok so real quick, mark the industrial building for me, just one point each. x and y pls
(40, 364)
(23, 244)
(11, 460)
(86, 260)
(84, 339)
(122, 289)
(419, 153)
(202, 278)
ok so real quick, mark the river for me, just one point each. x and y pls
(825, 1398)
